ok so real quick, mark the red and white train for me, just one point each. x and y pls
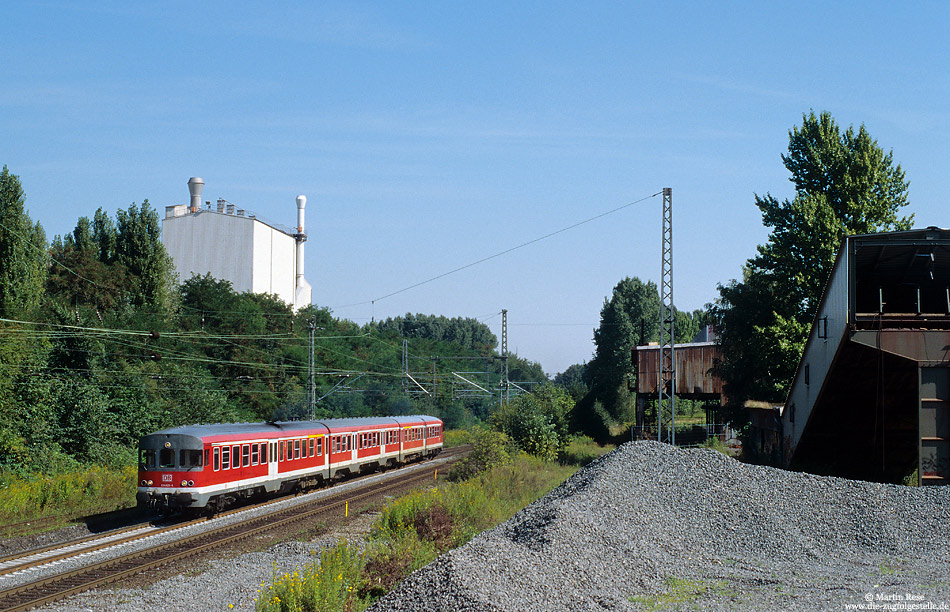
(210, 467)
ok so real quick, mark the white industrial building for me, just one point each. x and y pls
(234, 245)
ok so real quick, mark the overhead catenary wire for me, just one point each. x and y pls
(27, 240)
(504, 252)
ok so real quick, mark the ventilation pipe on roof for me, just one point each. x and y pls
(195, 185)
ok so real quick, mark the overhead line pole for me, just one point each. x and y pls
(311, 378)
(666, 420)
(504, 357)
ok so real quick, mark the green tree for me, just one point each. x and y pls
(844, 184)
(629, 318)
(574, 380)
(537, 421)
(139, 248)
(23, 256)
(105, 236)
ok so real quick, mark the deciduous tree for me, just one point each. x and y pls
(844, 184)
(23, 257)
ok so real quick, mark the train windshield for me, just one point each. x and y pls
(147, 459)
(166, 458)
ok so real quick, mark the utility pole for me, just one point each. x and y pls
(505, 384)
(666, 420)
(405, 365)
(311, 375)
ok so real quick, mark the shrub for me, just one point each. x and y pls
(489, 448)
(537, 421)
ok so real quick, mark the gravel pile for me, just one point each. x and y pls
(650, 527)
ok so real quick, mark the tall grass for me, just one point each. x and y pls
(75, 493)
(411, 532)
(581, 450)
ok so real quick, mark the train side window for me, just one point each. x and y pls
(235, 456)
(217, 458)
(225, 457)
(283, 450)
(296, 449)
(313, 446)
(247, 455)
(319, 446)
(189, 458)
(166, 458)
(303, 448)
(207, 456)
(254, 454)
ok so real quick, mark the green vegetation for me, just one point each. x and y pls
(844, 184)
(410, 533)
(100, 344)
(89, 489)
(680, 591)
(716, 444)
(630, 318)
(581, 450)
(537, 422)
(490, 448)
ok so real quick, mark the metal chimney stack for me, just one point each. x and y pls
(302, 294)
(195, 186)
(301, 235)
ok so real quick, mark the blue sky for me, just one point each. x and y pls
(428, 135)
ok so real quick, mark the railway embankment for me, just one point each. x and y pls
(652, 527)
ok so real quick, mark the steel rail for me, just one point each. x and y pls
(35, 557)
(60, 586)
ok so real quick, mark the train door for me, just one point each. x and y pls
(272, 459)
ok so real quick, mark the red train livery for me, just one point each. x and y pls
(209, 467)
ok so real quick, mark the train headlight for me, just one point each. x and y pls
(149, 483)
(191, 483)
(144, 483)
(184, 483)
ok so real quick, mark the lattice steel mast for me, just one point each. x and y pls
(311, 374)
(666, 390)
(505, 384)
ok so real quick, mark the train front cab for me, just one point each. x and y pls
(170, 469)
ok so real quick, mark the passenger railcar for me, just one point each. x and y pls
(210, 467)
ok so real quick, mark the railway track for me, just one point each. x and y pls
(95, 574)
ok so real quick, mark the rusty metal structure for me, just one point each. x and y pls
(693, 380)
(871, 397)
(693, 362)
